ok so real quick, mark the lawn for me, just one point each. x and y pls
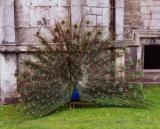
(90, 118)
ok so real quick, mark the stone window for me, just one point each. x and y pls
(151, 54)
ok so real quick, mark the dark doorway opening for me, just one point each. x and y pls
(152, 57)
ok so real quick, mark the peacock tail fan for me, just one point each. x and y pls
(48, 78)
(78, 57)
(101, 85)
(43, 88)
(41, 101)
(106, 96)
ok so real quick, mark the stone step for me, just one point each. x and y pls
(151, 78)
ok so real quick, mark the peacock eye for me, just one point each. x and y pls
(88, 33)
(55, 29)
(75, 26)
(68, 31)
(121, 89)
(130, 86)
(87, 22)
(123, 96)
(63, 22)
(109, 90)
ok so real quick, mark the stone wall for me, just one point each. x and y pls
(150, 12)
(141, 15)
(31, 15)
(21, 19)
(132, 17)
(8, 61)
(142, 22)
(98, 12)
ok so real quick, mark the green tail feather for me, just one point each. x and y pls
(78, 56)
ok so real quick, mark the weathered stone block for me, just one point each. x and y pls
(106, 16)
(40, 17)
(8, 72)
(63, 3)
(22, 16)
(58, 13)
(87, 10)
(26, 35)
(97, 3)
(100, 20)
(44, 2)
(92, 19)
(7, 21)
(97, 11)
(76, 17)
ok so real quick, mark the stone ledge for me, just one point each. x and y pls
(6, 101)
(16, 48)
(24, 47)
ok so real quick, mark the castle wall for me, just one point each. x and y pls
(21, 19)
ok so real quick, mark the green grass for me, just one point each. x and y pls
(90, 118)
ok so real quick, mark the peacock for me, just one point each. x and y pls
(78, 65)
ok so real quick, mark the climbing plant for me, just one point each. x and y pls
(79, 65)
